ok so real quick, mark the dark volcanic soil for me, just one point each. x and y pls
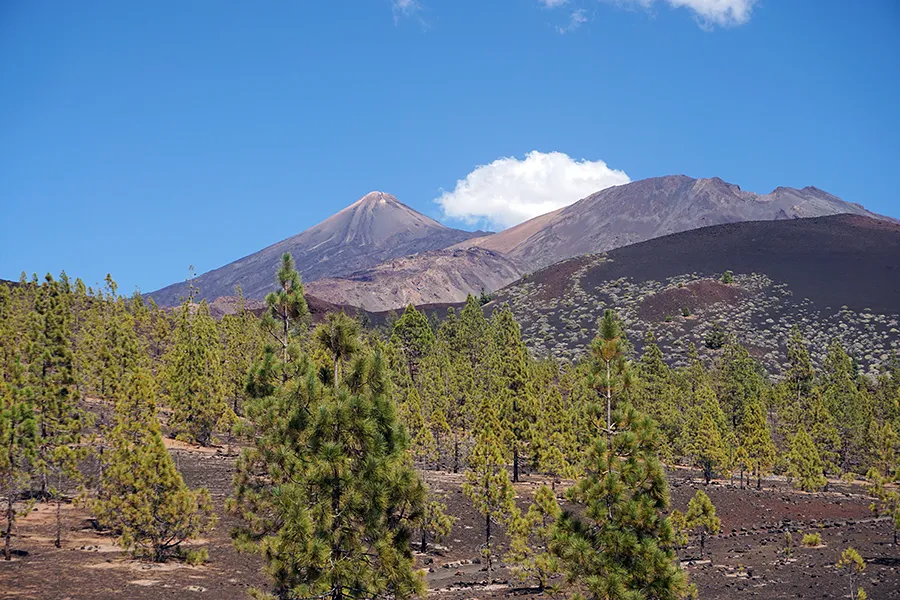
(747, 560)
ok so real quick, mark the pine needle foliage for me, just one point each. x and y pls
(622, 547)
(701, 517)
(327, 493)
(143, 497)
(195, 383)
(805, 468)
(18, 444)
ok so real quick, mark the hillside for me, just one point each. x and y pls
(836, 276)
(376, 228)
(651, 208)
(441, 276)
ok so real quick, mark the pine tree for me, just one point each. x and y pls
(679, 529)
(854, 565)
(756, 440)
(701, 515)
(195, 387)
(847, 401)
(804, 465)
(339, 336)
(59, 419)
(413, 336)
(622, 547)
(487, 483)
(884, 444)
(143, 497)
(610, 370)
(531, 535)
(18, 441)
(655, 393)
(242, 344)
(436, 523)
(422, 442)
(887, 498)
(705, 445)
(286, 308)
(327, 493)
(509, 380)
(740, 382)
(824, 433)
(800, 374)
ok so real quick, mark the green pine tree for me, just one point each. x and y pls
(622, 547)
(18, 442)
(143, 497)
(887, 498)
(610, 369)
(195, 384)
(705, 445)
(487, 483)
(436, 523)
(854, 565)
(531, 535)
(756, 440)
(327, 493)
(242, 344)
(701, 516)
(286, 309)
(509, 368)
(339, 336)
(59, 418)
(805, 468)
(412, 334)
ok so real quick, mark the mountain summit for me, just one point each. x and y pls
(375, 228)
(650, 208)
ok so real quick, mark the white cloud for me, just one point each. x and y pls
(509, 190)
(405, 8)
(709, 13)
(576, 20)
(552, 3)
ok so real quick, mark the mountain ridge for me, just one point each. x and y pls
(633, 212)
(375, 228)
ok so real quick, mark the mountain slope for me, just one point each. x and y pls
(439, 276)
(651, 208)
(836, 277)
(375, 228)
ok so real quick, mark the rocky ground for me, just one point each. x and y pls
(746, 561)
(680, 310)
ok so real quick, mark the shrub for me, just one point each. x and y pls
(727, 277)
(811, 540)
(685, 311)
(196, 557)
(715, 339)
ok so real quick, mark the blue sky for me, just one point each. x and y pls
(138, 138)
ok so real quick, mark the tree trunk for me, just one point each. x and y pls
(702, 542)
(10, 516)
(455, 453)
(516, 463)
(58, 542)
(487, 541)
(424, 542)
(759, 480)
